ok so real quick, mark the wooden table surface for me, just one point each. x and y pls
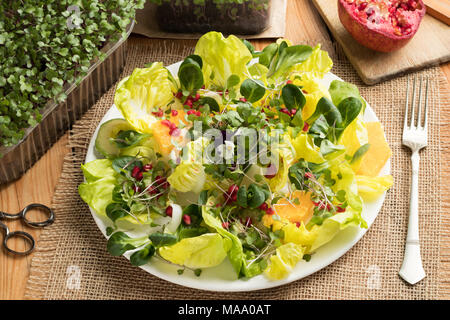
(38, 184)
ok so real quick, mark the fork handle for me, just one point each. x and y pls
(412, 269)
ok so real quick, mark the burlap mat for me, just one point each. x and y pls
(71, 261)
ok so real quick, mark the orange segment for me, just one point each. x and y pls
(161, 133)
(292, 210)
(162, 137)
(379, 152)
(179, 117)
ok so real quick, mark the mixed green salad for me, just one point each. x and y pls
(242, 155)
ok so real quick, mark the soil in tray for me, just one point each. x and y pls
(248, 18)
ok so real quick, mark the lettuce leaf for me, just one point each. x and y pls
(236, 252)
(354, 137)
(306, 149)
(205, 251)
(318, 64)
(371, 188)
(319, 235)
(340, 90)
(188, 176)
(222, 57)
(98, 169)
(142, 93)
(98, 194)
(282, 262)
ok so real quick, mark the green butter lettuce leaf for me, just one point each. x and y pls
(318, 63)
(222, 57)
(207, 250)
(345, 179)
(236, 252)
(306, 149)
(354, 136)
(188, 176)
(97, 169)
(281, 263)
(319, 235)
(142, 93)
(98, 194)
(259, 71)
(371, 188)
(340, 90)
(280, 179)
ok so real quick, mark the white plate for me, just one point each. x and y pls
(222, 277)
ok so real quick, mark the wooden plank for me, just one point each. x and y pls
(37, 185)
(430, 46)
(440, 9)
(303, 25)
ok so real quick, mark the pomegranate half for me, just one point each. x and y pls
(381, 25)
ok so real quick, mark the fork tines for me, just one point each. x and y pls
(410, 120)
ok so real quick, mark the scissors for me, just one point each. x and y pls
(21, 234)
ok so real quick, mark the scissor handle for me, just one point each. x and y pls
(19, 234)
(36, 224)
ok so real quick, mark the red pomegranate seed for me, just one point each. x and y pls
(197, 97)
(190, 112)
(169, 211)
(188, 102)
(159, 113)
(320, 205)
(233, 189)
(289, 82)
(198, 113)
(340, 209)
(136, 173)
(179, 94)
(147, 167)
(297, 224)
(174, 113)
(187, 219)
(234, 197)
(264, 206)
(243, 99)
(285, 110)
(309, 175)
(293, 112)
(225, 225)
(152, 190)
(175, 132)
(270, 211)
(166, 123)
(305, 127)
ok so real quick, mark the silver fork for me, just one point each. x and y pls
(414, 137)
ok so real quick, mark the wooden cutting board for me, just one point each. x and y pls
(430, 46)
